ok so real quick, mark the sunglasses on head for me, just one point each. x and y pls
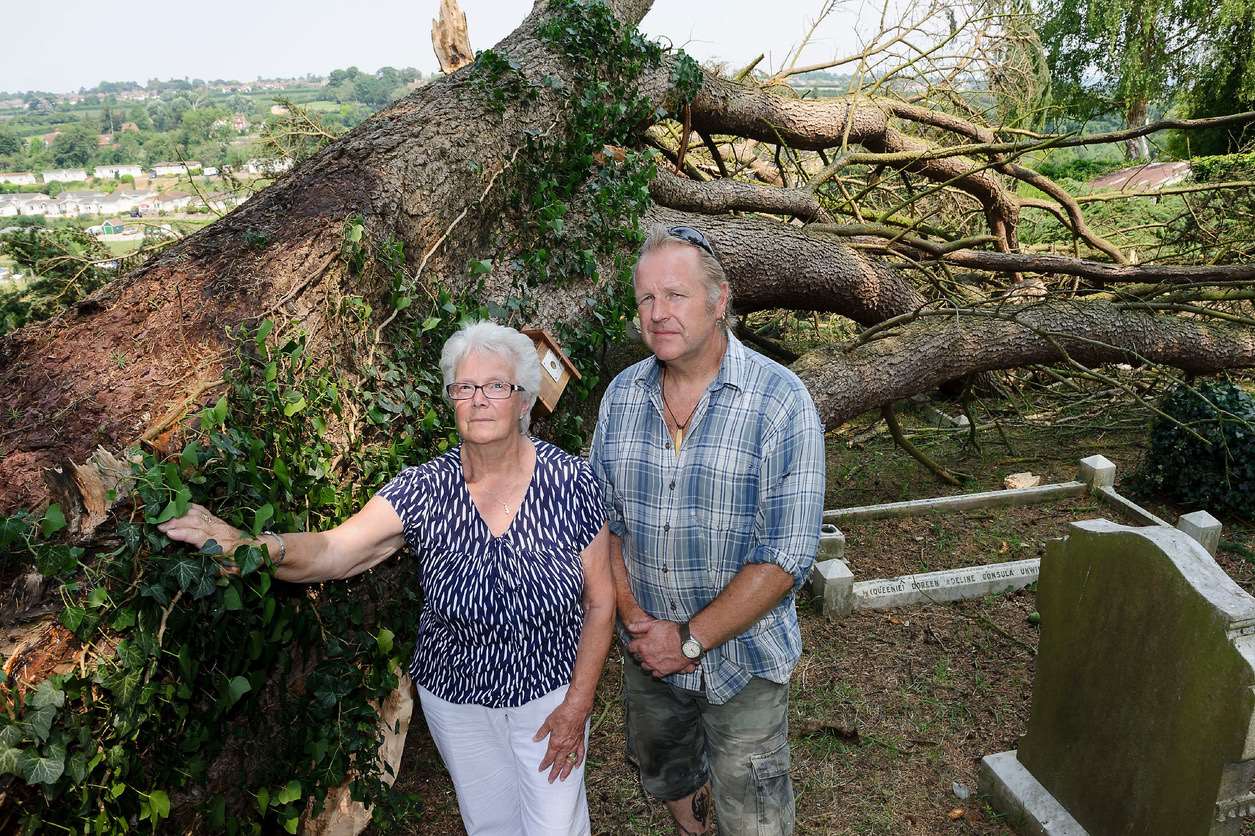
(689, 235)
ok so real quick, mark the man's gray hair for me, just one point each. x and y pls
(713, 275)
(506, 343)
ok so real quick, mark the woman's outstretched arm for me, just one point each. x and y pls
(359, 543)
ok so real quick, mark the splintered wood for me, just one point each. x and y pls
(450, 39)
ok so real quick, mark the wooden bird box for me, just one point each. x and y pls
(555, 368)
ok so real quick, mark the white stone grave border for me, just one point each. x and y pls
(833, 585)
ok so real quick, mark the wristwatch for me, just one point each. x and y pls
(689, 645)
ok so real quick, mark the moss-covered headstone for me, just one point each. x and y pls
(1142, 698)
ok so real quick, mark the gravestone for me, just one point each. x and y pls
(946, 585)
(1143, 696)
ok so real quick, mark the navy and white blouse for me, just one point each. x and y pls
(501, 616)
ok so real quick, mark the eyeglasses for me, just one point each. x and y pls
(689, 235)
(493, 391)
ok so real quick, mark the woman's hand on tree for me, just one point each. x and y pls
(198, 526)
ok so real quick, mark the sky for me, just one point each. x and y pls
(64, 45)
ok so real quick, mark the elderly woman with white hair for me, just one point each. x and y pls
(518, 599)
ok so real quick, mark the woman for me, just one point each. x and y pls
(518, 597)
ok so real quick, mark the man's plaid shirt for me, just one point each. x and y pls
(748, 487)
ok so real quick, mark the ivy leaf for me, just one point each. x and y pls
(205, 586)
(231, 599)
(249, 559)
(45, 695)
(429, 323)
(289, 793)
(46, 769)
(53, 521)
(384, 640)
(72, 618)
(97, 597)
(124, 619)
(190, 457)
(12, 760)
(263, 515)
(479, 268)
(38, 723)
(236, 688)
(403, 302)
(168, 513)
(160, 803)
(220, 410)
(77, 767)
(263, 799)
(281, 472)
(182, 499)
(157, 592)
(290, 824)
(294, 405)
(218, 813)
(176, 507)
(186, 572)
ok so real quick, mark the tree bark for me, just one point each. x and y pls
(929, 351)
(152, 343)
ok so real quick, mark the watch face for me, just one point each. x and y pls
(691, 649)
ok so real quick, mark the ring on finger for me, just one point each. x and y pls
(573, 757)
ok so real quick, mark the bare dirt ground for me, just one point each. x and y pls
(891, 711)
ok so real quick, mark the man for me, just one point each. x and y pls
(711, 464)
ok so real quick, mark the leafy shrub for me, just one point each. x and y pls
(1208, 459)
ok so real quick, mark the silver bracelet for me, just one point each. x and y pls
(283, 549)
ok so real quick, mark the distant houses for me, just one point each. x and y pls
(166, 169)
(267, 167)
(65, 175)
(116, 171)
(18, 178)
(87, 203)
(238, 123)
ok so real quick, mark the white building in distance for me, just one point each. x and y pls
(17, 178)
(270, 167)
(166, 169)
(65, 175)
(115, 171)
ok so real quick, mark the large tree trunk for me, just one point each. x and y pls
(151, 345)
(1136, 115)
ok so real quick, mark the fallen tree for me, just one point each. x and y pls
(280, 364)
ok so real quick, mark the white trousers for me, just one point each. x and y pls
(494, 763)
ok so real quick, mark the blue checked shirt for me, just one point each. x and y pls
(747, 487)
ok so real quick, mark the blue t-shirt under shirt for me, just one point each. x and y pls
(501, 616)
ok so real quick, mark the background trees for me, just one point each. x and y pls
(1138, 58)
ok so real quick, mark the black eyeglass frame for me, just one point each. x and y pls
(689, 235)
(482, 387)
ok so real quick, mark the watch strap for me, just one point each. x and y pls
(687, 636)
